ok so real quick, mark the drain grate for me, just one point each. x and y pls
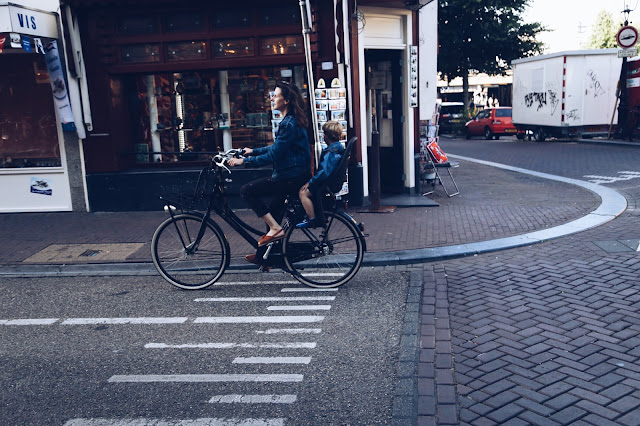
(90, 253)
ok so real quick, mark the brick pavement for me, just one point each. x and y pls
(543, 335)
(500, 204)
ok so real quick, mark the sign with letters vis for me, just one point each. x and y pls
(16, 19)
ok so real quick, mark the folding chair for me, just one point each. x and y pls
(448, 165)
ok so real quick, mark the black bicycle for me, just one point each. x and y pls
(191, 252)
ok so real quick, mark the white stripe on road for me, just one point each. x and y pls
(290, 331)
(142, 320)
(265, 299)
(283, 345)
(253, 399)
(253, 320)
(204, 421)
(204, 378)
(272, 360)
(231, 283)
(30, 321)
(305, 289)
(300, 308)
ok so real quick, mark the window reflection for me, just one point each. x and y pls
(235, 47)
(188, 50)
(281, 45)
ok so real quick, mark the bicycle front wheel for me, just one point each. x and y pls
(180, 261)
(324, 258)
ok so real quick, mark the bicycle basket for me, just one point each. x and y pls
(191, 192)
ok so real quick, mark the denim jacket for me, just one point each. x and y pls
(331, 158)
(289, 154)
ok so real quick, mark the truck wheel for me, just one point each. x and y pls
(487, 134)
(520, 136)
(539, 135)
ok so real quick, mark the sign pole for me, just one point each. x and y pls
(305, 13)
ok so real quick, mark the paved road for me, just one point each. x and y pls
(256, 347)
(547, 334)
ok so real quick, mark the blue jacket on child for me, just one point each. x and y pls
(331, 156)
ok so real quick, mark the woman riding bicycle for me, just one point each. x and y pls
(291, 159)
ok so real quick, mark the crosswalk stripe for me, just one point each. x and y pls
(272, 360)
(306, 289)
(205, 421)
(265, 299)
(232, 283)
(30, 321)
(142, 320)
(283, 345)
(253, 399)
(204, 378)
(253, 320)
(290, 331)
(300, 308)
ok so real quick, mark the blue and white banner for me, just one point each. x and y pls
(58, 85)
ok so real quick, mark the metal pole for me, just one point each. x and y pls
(311, 85)
(374, 167)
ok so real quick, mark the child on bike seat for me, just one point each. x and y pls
(331, 156)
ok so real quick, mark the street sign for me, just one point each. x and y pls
(627, 37)
(627, 53)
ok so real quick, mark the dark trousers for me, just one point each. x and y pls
(266, 187)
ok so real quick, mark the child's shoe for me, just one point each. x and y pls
(309, 223)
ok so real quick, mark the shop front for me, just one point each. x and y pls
(34, 174)
(171, 83)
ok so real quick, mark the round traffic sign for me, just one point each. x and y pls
(627, 37)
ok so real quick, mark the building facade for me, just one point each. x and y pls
(40, 157)
(169, 83)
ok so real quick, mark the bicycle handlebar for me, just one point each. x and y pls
(221, 158)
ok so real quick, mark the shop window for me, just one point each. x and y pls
(282, 45)
(140, 53)
(234, 47)
(186, 50)
(232, 18)
(184, 22)
(137, 25)
(184, 117)
(285, 15)
(28, 129)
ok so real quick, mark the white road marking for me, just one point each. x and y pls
(300, 308)
(290, 331)
(253, 320)
(205, 421)
(204, 378)
(272, 360)
(265, 299)
(282, 345)
(232, 283)
(253, 399)
(625, 175)
(306, 289)
(141, 320)
(30, 321)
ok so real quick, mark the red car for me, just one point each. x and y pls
(492, 123)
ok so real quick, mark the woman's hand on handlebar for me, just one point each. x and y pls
(247, 151)
(235, 162)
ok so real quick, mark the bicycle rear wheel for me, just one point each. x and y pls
(182, 265)
(324, 258)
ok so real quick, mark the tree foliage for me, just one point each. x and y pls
(483, 36)
(603, 33)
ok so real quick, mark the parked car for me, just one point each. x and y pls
(492, 123)
(450, 113)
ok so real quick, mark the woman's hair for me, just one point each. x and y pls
(296, 105)
(332, 131)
